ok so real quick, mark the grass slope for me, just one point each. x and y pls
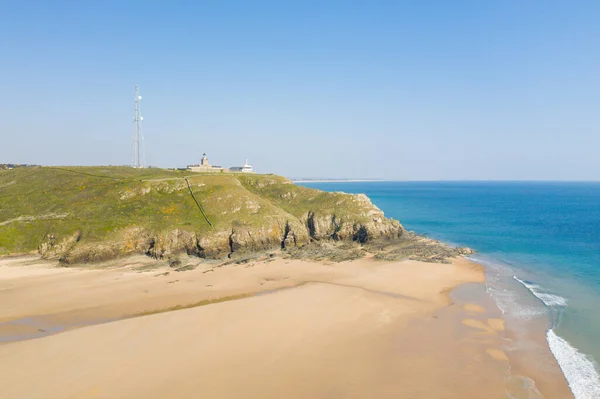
(102, 202)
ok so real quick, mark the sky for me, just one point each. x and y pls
(397, 90)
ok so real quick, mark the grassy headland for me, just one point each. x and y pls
(88, 214)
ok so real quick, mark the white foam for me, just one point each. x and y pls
(579, 370)
(548, 299)
(551, 299)
(508, 302)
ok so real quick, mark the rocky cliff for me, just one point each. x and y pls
(81, 215)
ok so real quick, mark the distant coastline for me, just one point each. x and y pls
(335, 180)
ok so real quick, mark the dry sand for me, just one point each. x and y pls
(360, 329)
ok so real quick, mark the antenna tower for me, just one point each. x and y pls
(138, 137)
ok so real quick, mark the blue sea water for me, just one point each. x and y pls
(539, 241)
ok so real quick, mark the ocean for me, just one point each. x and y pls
(540, 244)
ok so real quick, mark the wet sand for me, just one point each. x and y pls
(350, 330)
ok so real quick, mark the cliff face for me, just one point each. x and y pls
(106, 213)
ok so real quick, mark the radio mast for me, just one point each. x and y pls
(138, 137)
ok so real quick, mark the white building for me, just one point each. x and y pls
(247, 168)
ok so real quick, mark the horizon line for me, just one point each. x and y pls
(366, 180)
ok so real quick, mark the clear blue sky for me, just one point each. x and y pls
(397, 90)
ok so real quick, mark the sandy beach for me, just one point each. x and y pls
(276, 328)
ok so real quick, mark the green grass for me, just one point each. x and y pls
(105, 202)
(298, 200)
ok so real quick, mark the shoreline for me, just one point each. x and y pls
(535, 348)
(370, 321)
(553, 287)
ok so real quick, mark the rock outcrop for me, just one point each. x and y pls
(240, 239)
(53, 246)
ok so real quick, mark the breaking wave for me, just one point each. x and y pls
(548, 299)
(579, 370)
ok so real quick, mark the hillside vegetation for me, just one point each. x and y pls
(87, 214)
